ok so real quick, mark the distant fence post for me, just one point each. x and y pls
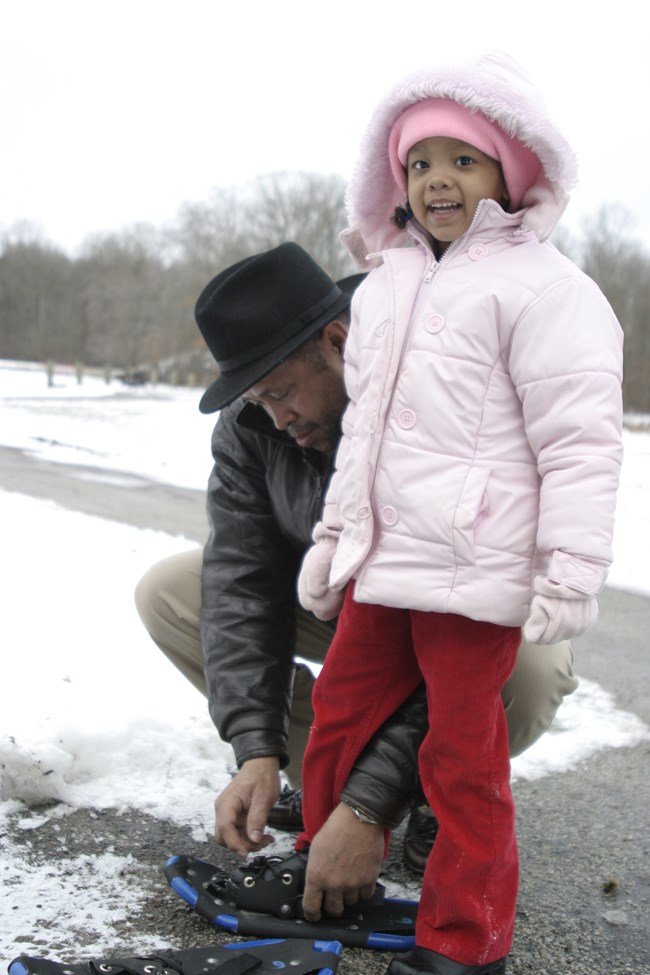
(49, 369)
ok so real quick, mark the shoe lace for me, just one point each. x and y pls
(289, 797)
(424, 826)
(427, 830)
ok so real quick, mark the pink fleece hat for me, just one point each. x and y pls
(444, 117)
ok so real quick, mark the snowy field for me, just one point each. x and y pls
(83, 718)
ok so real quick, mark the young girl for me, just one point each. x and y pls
(476, 479)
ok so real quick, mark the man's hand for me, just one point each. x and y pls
(242, 808)
(344, 862)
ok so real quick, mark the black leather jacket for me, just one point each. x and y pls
(264, 496)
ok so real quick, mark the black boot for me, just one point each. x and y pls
(420, 832)
(286, 813)
(421, 961)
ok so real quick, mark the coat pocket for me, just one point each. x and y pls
(471, 509)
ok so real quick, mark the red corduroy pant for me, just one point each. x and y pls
(378, 657)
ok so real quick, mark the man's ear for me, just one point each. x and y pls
(334, 335)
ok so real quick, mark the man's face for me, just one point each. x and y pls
(306, 396)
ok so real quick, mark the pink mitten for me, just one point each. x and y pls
(313, 583)
(558, 612)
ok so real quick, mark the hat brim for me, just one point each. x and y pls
(229, 386)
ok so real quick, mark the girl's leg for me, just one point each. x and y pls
(369, 671)
(469, 893)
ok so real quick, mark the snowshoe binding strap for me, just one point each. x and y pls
(263, 898)
(272, 885)
(300, 956)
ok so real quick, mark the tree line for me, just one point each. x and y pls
(126, 302)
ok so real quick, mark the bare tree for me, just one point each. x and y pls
(38, 313)
(128, 300)
(615, 259)
(121, 288)
(307, 208)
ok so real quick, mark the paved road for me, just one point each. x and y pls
(127, 498)
(584, 905)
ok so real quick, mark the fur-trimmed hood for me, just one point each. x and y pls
(494, 85)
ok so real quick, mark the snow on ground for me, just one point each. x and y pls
(91, 714)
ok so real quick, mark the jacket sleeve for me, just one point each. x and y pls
(248, 599)
(566, 360)
(384, 781)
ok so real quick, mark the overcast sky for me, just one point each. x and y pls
(115, 113)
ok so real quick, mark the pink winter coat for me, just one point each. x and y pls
(482, 443)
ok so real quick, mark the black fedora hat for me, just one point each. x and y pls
(258, 312)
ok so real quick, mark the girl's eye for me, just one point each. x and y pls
(419, 164)
(464, 161)
(278, 397)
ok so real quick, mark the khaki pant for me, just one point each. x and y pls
(168, 599)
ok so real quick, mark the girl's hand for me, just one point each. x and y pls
(558, 612)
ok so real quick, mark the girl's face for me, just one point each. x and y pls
(446, 181)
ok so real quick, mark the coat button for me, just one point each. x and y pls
(434, 323)
(477, 252)
(389, 515)
(363, 511)
(406, 419)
